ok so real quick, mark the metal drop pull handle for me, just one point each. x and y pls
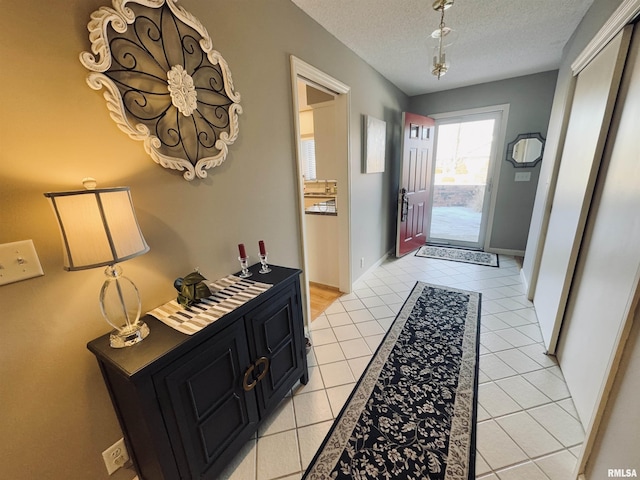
(250, 386)
(405, 205)
(263, 361)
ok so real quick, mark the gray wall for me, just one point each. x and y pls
(530, 99)
(56, 415)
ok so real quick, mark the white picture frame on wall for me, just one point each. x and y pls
(375, 141)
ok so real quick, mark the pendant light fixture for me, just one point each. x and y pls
(442, 37)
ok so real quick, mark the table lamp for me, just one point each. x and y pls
(99, 227)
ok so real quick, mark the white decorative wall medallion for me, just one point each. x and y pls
(164, 84)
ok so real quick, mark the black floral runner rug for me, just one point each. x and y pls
(459, 255)
(412, 414)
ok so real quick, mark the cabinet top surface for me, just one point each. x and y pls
(163, 339)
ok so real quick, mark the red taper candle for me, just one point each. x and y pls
(243, 252)
(263, 251)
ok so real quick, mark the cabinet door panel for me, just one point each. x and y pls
(277, 330)
(210, 386)
(204, 405)
(283, 363)
(223, 424)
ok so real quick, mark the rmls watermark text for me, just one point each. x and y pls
(622, 473)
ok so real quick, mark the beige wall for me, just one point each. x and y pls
(54, 130)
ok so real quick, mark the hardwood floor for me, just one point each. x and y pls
(321, 297)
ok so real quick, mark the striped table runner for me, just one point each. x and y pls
(227, 294)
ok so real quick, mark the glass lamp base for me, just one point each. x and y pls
(127, 336)
(120, 305)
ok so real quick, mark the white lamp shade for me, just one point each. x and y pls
(98, 227)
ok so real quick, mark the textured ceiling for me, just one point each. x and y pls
(496, 39)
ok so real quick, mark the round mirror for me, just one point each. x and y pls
(526, 150)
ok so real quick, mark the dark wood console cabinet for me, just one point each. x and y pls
(188, 403)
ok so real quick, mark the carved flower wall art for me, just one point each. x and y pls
(164, 84)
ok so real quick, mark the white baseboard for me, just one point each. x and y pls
(380, 261)
(506, 251)
(525, 283)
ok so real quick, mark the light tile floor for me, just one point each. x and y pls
(528, 428)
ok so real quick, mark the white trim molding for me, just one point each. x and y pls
(342, 93)
(380, 261)
(320, 79)
(525, 282)
(505, 251)
(624, 14)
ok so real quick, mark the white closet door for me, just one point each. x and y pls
(606, 278)
(593, 101)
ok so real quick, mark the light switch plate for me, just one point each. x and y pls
(523, 177)
(19, 261)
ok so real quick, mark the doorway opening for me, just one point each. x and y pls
(321, 297)
(321, 122)
(466, 145)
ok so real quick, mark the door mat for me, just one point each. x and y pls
(459, 255)
(413, 412)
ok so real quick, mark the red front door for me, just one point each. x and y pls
(414, 193)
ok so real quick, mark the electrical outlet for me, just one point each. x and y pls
(523, 177)
(19, 261)
(115, 456)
